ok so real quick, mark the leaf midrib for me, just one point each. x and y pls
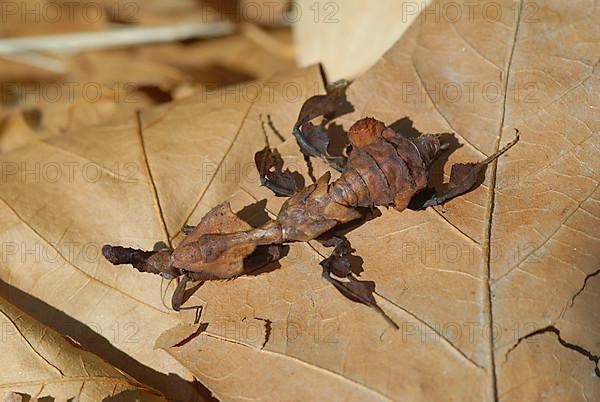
(490, 213)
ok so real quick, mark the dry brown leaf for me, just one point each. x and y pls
(287, 333)
(537, 222)
(39, 362)
(513, 259)
(104, 182)
(15, 131)
(44, 17)
(213, 63)
(264, 12)
(15, 71)
(109, 85)
(95, 88)
(156, 12)
(350, 36)
(81, 74)
(39, 117)
(166, 12)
